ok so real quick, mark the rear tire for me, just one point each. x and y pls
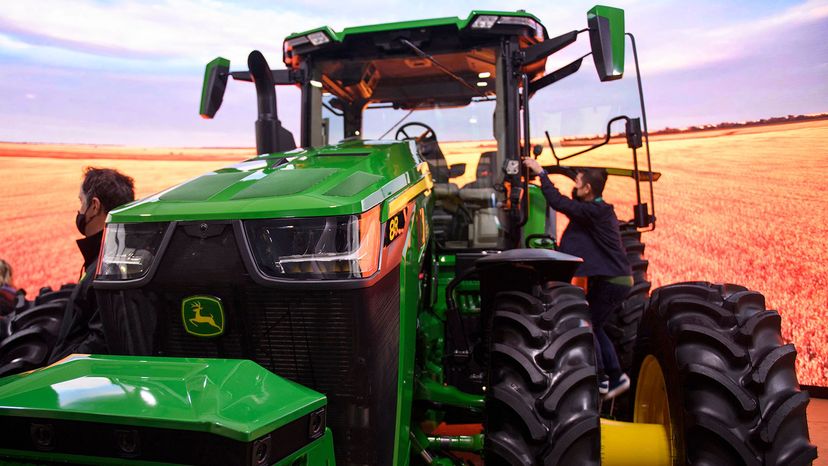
(542, 402)
(731, 387)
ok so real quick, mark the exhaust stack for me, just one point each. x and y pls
(267, 124)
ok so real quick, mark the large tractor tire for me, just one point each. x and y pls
(714, 370)
(22, 351)
(542, 401)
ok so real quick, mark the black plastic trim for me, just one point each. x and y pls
(816, 391)
(139, 443)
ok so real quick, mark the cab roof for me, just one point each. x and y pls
(389, 63)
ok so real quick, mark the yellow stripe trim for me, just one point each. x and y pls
(402, 200)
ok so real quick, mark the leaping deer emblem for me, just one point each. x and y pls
(200, 319)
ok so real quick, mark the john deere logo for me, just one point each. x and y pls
(203, 316)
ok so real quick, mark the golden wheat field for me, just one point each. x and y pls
(744, 206)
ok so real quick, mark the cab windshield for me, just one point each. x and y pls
(446, 102)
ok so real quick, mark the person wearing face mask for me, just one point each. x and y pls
(102, 190)
(593, 235)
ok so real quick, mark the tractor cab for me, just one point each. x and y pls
(468, 81)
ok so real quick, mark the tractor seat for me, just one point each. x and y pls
(485, 171)
(433, 155)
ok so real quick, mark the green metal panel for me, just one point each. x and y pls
(237, 399)
(204, 187)
(410, 304)
(29, 458)
(536, 225)
(313, 182)
(354, 184)
(616, 19)
(285, 183)
(217, 62)
(459, 23)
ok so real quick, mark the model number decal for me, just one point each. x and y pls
(394, 227)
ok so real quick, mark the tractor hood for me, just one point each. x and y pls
(156, 409)
(343, 179)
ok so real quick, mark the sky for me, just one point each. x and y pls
(129, 72)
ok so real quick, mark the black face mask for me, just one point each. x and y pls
(80, 221)
(575, 196)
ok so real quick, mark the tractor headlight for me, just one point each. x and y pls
(340, 247)
(129, 250)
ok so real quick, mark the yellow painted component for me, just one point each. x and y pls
(399, 202)
(634, 444)
(651, 402)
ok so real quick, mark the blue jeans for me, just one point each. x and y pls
(604, 298)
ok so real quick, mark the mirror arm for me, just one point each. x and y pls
(552, 148)
(549, 46)
(644, 119)
(556, 75)
(280, 77)
(602, 143)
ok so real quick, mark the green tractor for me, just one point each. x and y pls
(351, 304)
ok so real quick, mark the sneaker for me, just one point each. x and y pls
(618, 387)
(603, 384)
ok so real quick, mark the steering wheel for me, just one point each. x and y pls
(426, 135)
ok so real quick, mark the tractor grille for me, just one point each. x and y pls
(308, 337)
(343, 343)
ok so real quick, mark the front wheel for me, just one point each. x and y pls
(542, 400)
(713, 369)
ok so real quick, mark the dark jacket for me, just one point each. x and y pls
(8, 298)
(81, 330)
(592, 233)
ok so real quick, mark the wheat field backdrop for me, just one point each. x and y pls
(744, 206)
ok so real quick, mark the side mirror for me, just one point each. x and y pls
(606, 38)
(458, 169)
(215, 82)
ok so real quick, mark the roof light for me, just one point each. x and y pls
(318, 38)
(484, 75)
(296, 41)
(315, 83)
(484, 22)
(482, 84)
(518, 20)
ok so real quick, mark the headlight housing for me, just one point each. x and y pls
(341, 247)
(129, 250)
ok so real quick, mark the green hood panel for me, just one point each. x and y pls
(343, 179)
(237, 399)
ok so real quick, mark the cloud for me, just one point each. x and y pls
(130, 71)
(687, 46)
(188, 30)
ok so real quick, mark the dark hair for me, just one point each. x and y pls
(596, 178)
(110, 186)
(5, 273)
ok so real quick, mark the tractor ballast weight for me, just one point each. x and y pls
(353, 294)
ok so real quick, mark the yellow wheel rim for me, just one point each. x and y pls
(651, 403)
